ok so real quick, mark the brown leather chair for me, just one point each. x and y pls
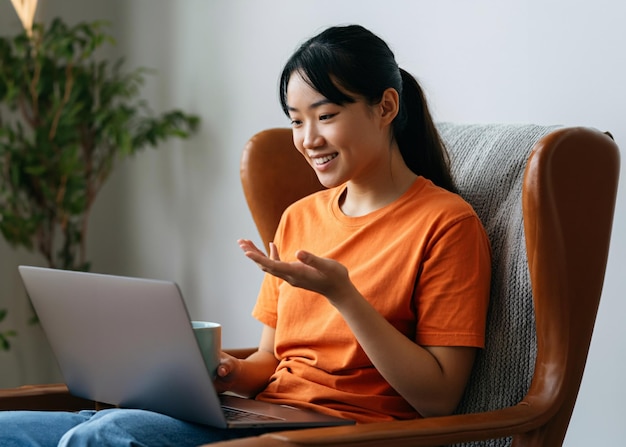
(536, 189)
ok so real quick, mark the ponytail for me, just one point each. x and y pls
(421, 146)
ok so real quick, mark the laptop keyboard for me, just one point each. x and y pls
(235, 414)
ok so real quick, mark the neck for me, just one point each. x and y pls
(361, 198)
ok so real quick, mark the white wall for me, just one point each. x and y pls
(176, 212)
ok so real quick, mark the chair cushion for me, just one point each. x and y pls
(488, 163)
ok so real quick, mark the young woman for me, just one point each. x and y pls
(376, 289)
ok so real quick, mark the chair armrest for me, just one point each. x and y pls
(241, 353)
(42, 397)
(433, 431)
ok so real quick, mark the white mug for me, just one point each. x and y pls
(209, 336)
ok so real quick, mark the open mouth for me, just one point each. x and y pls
(319, 161)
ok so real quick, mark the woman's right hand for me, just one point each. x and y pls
(227, 372)
(247, 377)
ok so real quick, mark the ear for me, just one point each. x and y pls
(389, 106)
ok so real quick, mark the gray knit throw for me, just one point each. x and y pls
(488, 164)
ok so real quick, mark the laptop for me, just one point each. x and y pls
(129, 342)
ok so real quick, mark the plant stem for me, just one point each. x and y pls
(69, 82)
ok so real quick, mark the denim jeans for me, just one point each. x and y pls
(114, 427)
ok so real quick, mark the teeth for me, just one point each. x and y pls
(325, 159)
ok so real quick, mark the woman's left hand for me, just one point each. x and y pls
(322, 275)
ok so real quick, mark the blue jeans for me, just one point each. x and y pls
(114, 427)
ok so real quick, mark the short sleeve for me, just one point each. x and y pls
(452, 288)
(265, 309)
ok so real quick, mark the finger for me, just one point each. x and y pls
(225, 366)
(245, 244)
(323, 266)
(274, 252)
(223, 370)
(309, 259)
(248, 246)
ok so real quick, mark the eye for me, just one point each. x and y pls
(327, 116)
(295, 123)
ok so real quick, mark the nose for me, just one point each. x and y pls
(312, 137)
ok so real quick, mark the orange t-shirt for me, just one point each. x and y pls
(422, 261)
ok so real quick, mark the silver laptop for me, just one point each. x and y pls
(129, 342)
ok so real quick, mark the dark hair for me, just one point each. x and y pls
(351, 59)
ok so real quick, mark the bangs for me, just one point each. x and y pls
(321, 70)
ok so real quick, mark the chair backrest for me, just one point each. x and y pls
(488, 164)
(529, 186)
(273, 176)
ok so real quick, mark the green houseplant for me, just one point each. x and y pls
(66, 118)
(5, 343)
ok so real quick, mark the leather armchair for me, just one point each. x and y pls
(535, 188)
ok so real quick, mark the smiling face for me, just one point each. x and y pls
(342, 143)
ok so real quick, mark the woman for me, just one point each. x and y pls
(375, 297)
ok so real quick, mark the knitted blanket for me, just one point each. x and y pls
(488, 163)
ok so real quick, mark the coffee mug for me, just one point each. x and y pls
(209, 336)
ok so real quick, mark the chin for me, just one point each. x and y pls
(329, 183)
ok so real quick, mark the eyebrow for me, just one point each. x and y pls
(315, 105)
